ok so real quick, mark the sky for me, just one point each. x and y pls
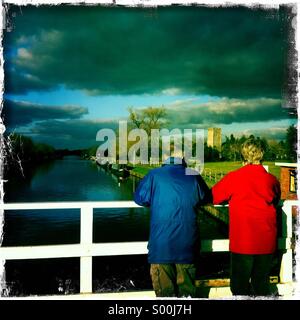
(73, 70)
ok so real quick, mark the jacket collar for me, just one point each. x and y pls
(175, 161)
(255, 166)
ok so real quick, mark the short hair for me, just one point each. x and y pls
(174, 151)
(252, 151)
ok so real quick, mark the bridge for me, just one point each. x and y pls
(86, 250)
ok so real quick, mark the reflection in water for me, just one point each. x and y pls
(67, 180)
(71, 180)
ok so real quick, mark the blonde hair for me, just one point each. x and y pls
(252, 151)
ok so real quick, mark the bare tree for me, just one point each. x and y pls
(148, 118)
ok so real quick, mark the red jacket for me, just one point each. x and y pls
(253, 194)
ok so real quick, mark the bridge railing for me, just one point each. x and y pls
(86, 249)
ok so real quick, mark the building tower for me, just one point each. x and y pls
(214, 138)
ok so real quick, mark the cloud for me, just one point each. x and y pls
(231, 52)
(72, 134)
(74, 128)
(20, 82)
(274, 133)
(20, 113)
(64, 127)
(24, 53)
(226, 111)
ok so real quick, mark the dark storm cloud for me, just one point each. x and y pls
(74, 129)
(226, 111)
(20, 113)
(233, 52)
(71, 134)
(18, 82)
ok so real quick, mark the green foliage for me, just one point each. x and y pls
(91, 152)
(148, 118)
(231, 148)
(273, 150)
(211, 153)
(22, 148)
(291, 143)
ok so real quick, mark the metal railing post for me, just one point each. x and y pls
(86, 239)
(286, 268)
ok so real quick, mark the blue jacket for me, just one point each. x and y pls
(173, 198)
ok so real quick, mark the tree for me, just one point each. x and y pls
(22, 153)
(234, 148)
(275, 150)
(211, 153)
(22, 148)
(148, 118)
(231, 148)
(291, 143)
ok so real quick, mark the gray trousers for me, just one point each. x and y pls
(173, 280)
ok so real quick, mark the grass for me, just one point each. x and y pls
(219, 167)
(228, 166)
(141, 170)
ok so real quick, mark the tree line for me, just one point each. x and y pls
(21, 152)
(273, 150)
(21, 148)
(156, 118)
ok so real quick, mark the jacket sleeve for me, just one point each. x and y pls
(142, 195)
(222, 190)
(204, 192)
(277, 192)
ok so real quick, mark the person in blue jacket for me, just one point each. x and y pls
(174, 244)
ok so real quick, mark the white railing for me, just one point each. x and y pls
(86, 249)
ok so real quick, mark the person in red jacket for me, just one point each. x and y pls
(253, 194)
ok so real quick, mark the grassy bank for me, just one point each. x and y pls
(217, 168)
(140, 171)
(228, 166)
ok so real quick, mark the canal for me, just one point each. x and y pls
(74, 179)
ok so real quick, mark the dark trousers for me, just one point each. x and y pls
(173, 280)
(250, 274)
